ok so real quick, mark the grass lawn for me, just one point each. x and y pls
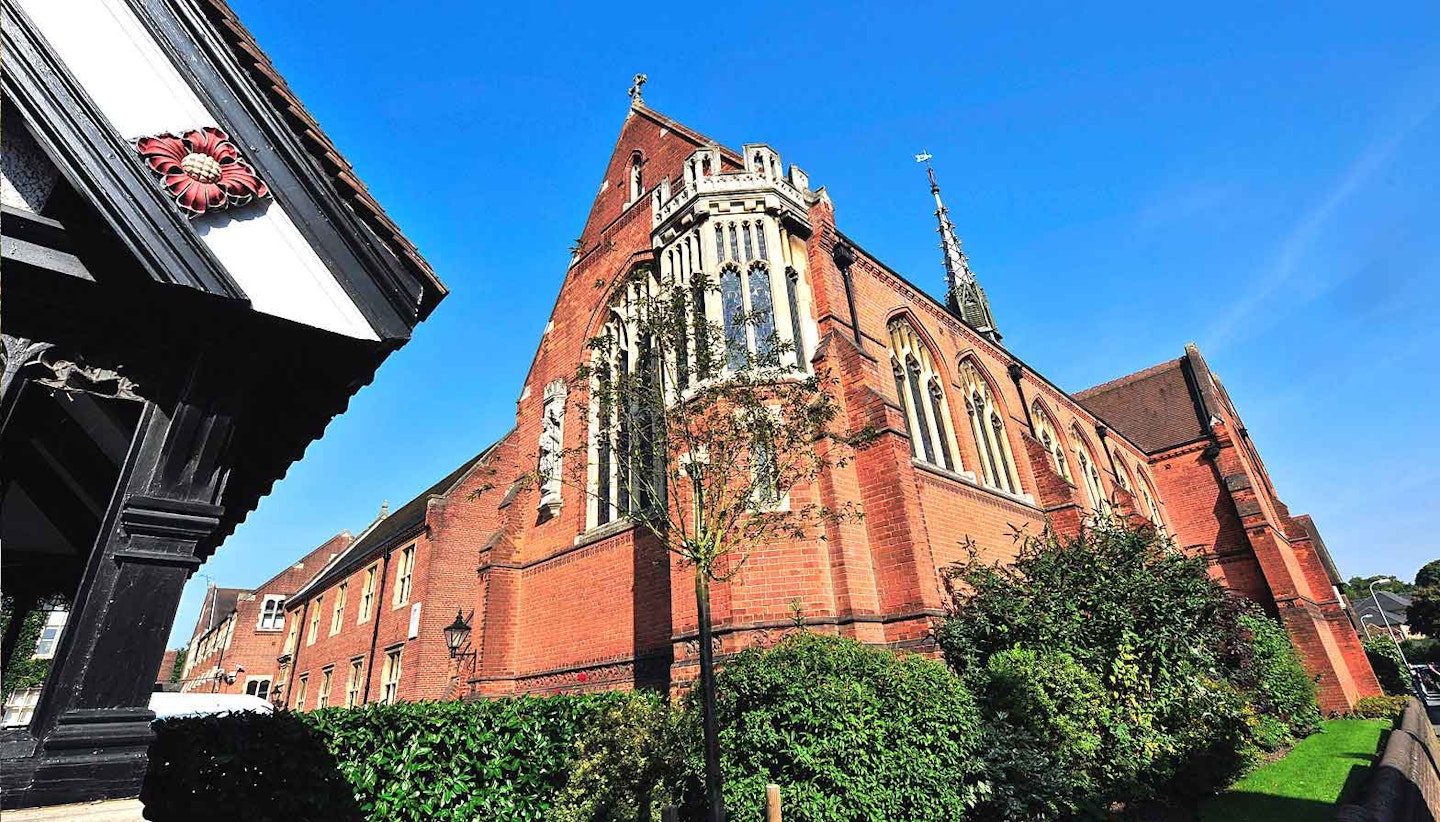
(1307, 783)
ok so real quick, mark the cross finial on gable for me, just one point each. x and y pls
(635, 90)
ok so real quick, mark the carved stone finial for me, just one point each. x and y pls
(636, 91)
(384, 508)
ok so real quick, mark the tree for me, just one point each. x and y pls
(1423, 615)
(1358, 588)
(716, 433)
(1429, 575)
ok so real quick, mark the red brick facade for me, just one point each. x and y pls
(236, 642)
(561, 604)
(1223, 504)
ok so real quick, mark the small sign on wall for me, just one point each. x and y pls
(415, 620)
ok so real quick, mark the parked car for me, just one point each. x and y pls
(170, 705)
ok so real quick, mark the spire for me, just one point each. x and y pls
(963, 294)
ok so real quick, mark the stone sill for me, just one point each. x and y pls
(603, 532)
(969, 478)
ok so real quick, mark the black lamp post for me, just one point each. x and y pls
(457, 636)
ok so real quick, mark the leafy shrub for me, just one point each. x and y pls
(624, 767)
(1284, 693)
(1191, 680)
(487, 759)
(1384, 657)
(848, 731)
(1421, 649)
(1381, 707)
(1048, 716)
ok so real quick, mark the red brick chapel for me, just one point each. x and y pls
(562, 593)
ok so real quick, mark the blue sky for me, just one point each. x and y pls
(1264, 181)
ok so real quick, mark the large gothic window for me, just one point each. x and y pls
(747, 293)
(921, 394)
(987, 425)
(1049, 438)
(1090, 474)
(621, 475)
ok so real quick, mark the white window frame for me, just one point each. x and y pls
(390, 675)
(367, 593)
(404, 575)
(315, 608)
(327, 684)
(272, 613)
(337, 616)
(257, 681)
(20, 707)
(354, 682)
(302, 690)
(55, 620)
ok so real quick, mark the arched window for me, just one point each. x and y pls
(1147, 499)
(921, 394)
(621, 475)
(1090, 474)
(1122, 474)
(747, 311)
(1049, 437)
(637, 179)
(792, 296)
(997, 463)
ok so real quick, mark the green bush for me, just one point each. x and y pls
(1284, 693)
(1421, 650)
(1192, 681)
(625, 765)
(848, 731)
(1381, 707)
(1049, 717)
(487, 759)
(1384, 657)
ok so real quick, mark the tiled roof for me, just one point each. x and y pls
(337, 169)
(1394, 606)
(1154, 408)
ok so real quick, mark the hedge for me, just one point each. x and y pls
(496, 759)
(849, 732)
(1385, 659)
(1381, 707)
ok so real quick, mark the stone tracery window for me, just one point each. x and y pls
(921, 394)
(1090, 475)
(1122, 474)
(622, 435)
(1147, 499)
(987, 425)
(1049, 438)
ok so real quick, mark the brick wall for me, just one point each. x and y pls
(240, 640)
(557, 607)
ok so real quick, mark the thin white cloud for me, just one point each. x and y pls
(1297, 243)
